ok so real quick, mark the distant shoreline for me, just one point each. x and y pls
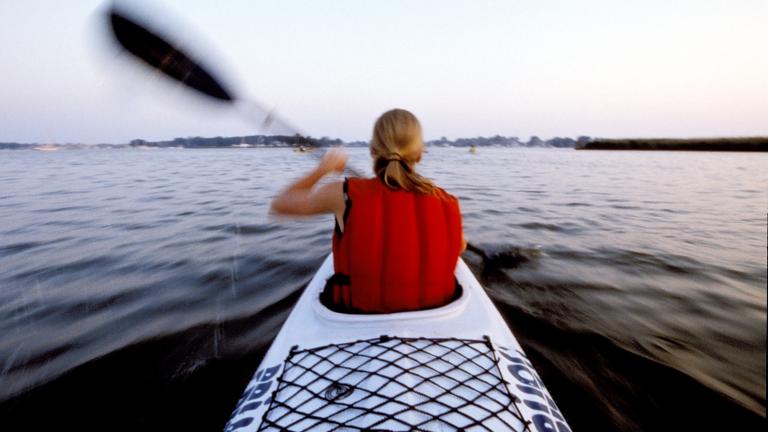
(277, 141)
(733, 144)
(740, 144)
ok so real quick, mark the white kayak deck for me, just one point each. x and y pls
(457, 367)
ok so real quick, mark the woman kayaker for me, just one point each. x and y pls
(397, 237)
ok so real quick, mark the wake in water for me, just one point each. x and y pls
(620, 384)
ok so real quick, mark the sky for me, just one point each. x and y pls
(650, 68)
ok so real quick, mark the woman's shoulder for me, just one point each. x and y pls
(444, 195)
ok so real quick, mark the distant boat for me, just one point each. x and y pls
(472, 149)
(47, 148)
(302, 149)
(242, 145)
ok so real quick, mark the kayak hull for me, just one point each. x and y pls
(457, 367)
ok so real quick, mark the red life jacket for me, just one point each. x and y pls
(398, 251)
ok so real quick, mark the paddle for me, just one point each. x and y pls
(505, 257)
(172, 61)
(161, 55)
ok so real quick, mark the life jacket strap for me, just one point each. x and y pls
(337, 293)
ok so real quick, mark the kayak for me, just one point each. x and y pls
(456, 367)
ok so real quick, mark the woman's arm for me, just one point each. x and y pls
(301, 199)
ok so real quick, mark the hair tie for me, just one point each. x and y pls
(394, 157)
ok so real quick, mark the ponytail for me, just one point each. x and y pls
(399, 174)
(396, 148)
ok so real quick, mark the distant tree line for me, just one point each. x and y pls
(691, 144)
(15, 146)
(251, 140)
(581, 143)
(502, 141)
(294, 140)
(298, 140)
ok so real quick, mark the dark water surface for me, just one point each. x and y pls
(140, 288)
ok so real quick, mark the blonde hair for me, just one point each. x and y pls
(396, 147)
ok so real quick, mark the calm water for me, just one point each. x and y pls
(140, 288)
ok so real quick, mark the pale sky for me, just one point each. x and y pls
(627, 68)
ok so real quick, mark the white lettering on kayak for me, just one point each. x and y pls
(254, 397)
(546, 417)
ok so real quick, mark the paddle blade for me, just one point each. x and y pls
(504, 256)
(163, 56)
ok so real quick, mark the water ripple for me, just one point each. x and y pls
(659, 257)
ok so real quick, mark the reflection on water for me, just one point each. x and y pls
(161, 273)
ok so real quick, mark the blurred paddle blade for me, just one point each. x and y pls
(163, 56)
(504, 256)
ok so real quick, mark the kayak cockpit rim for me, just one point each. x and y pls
(317, 285)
